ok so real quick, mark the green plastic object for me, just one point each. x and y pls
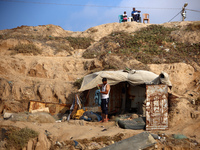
(179, 136)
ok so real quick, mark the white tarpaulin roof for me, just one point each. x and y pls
(134, 77)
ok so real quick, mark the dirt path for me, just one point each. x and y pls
(66, 131)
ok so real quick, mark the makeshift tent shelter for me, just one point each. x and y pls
(129, 91)
(134, 77)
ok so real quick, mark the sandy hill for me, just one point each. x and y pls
(45, 62)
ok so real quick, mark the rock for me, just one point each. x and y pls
(41, 117)
(7, 115)
(43, 143)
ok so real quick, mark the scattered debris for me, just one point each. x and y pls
(77, 145)
(58, 121)
(167, 49)
(52, 108)
(58, 144)
(46, 109)
(155, 136)
(47, 133)
(104, 130)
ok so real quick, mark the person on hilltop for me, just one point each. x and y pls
(135, 14)
(124, 17)
(105, 91)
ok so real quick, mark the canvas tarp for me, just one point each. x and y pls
(134, 77)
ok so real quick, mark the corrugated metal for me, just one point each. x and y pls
(54, 108)
(156, 107)
(35, 105)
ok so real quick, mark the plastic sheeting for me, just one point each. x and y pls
(134, 77)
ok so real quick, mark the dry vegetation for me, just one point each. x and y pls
(26, 49)
(49, 78)
(19, 138)
(59, 44)
(79, 42)
(193, 26)
(149, 45)
(59, 47)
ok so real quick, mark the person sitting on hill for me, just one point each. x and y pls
(124, 17)
(135, 14)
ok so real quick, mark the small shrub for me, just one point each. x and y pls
(89, 54)
(59, 47)
(79, 42)
(92, 30)
(19, 138)
(193, 26)
(110, 66)
(27, 49)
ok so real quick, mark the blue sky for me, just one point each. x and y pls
(80, 18)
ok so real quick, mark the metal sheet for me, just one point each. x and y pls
(156, 107)
(54, 108)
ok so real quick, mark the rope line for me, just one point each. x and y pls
(175, 16)
(193, 10)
